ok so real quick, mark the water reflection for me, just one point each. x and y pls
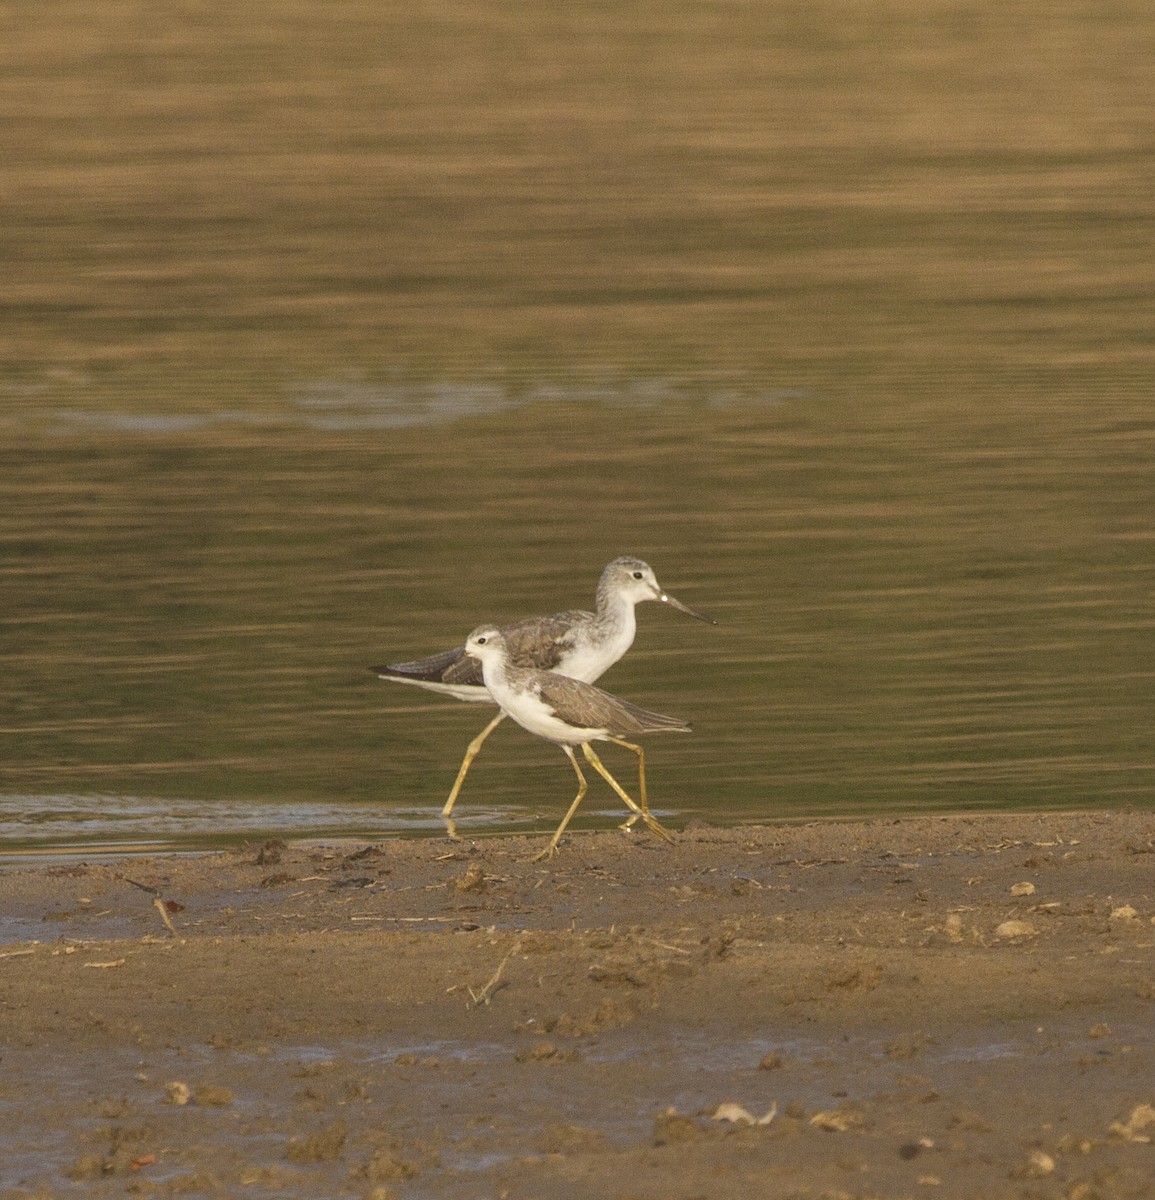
(904, 624)
(315, 361)
(68, 826)
(359, 404)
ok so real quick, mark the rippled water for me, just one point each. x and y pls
(316, 362)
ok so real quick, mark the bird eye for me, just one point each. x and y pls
(637, 574)
(482, 640)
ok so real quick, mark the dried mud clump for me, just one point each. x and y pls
(326, 1145)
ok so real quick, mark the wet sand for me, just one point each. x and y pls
(929, 1007)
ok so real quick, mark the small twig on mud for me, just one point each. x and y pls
(158, 904)
(161, 905)
(486, 993)
(667, 946)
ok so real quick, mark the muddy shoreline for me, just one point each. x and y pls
(939, 1007)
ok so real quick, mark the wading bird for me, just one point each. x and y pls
(569, 713)
(582, 645)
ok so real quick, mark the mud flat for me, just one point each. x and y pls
(930, 1007)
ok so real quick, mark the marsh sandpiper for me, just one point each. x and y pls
(569, 713)
(578, 644)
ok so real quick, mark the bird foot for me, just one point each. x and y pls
(655, 828)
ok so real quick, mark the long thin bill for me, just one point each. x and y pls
(666, 598)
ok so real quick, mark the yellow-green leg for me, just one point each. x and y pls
(603, 771)
(583, 787)
(642, 796)
(638, 810)
(467, 762)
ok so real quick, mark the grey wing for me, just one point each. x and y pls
(450, 666)
(465, 671)
(589, 707)
(542, 642)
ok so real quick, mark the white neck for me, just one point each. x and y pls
(494, 669)
(618, 619)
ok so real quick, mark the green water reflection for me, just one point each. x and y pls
(903, 624)
(339, 329)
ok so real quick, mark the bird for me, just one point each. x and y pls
(578, 644)
(569, 713)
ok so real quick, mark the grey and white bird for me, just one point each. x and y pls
(569, 713)
(578, 644)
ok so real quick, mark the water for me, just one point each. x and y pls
(313, 361)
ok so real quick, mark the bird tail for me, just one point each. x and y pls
(652, 722)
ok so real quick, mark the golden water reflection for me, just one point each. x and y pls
(330, 331)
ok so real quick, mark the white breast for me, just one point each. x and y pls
(592, 656)
(531, 712)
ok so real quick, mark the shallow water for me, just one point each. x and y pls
(316, 361)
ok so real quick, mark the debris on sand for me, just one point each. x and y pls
(546, 1052)
(672, 1127)
(1013, 930)
(735, 1113)
(472, 879)
(1039, 1164)
(844, 1119)
(386, 1165)
(484, 996)
(325, 1145)
(270, 853)
(1142, 1116)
